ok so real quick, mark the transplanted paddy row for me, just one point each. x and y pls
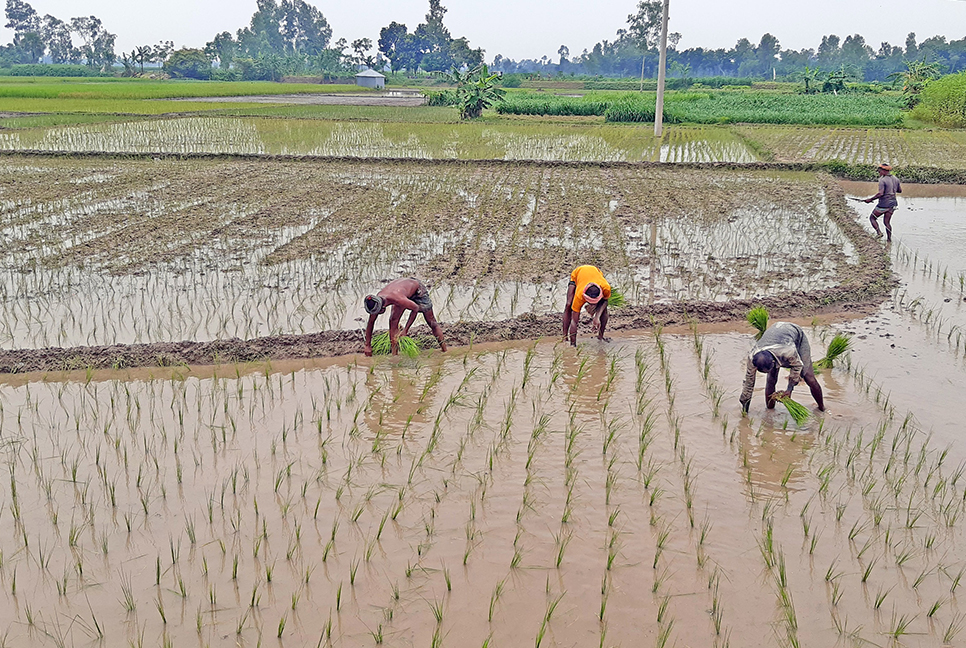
(508, 495)
(100, 251)
(430, 133)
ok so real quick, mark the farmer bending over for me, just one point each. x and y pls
(402, 294)
(587, 288)
(888, 188)
(782, 345)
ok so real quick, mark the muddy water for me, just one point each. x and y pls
(517, 491)
(125, 251)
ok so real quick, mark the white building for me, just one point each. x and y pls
(370, 79)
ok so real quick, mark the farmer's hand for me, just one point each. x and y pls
(867, 200)
(367, 349)
(595, 324)
(745, 404)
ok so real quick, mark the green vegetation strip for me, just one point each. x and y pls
(717, 108)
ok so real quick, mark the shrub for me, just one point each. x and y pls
(440, 98)
(944, 101)
(51, 70)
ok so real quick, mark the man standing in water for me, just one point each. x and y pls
(782, 345)
(888, 188)
(402, 294)
(588, 288)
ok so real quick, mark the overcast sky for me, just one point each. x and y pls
(533, 28)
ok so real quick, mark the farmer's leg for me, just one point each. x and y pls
(816, 389)
(770, 387)
(412, 318)
(875, 223)
(394, 317)
(434, 327)
(808, 371)
(887, 221)
(603, 321)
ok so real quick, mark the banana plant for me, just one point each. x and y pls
(476, 90)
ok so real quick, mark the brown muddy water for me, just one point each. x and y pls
(520, 493)
(515, 494)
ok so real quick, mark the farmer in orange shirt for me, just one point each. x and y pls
(587, 288)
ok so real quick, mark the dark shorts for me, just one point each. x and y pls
(882, 210)
(421, 298)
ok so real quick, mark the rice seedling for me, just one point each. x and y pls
(381, 345)
(758, 318)
(617, 298)
(839, 345)
(796, 410)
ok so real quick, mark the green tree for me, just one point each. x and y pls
(188, 64)
(60, 45)
(222, 48)
(98, 43)
(21, 17)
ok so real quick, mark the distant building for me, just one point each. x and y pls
(370, 79)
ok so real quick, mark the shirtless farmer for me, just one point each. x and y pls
(888, 188)
(587, 288)
(402, 294)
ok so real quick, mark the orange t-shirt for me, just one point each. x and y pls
(583, 275)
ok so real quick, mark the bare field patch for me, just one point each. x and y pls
(121, 251)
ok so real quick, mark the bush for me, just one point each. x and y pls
(511, 81)
(944, 101)
(51, 70)
(530, 104)
(188, 64)
(440, 98)
(638, 109)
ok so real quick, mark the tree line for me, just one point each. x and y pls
(636, 46)
(293, 38)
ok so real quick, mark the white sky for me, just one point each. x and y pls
(533, 28)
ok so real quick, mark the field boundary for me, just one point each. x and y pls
(836, 168)
(865, 284)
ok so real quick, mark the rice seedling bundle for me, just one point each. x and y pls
(616, 299)
(839, 345)
(381, 345)
(796, 410)
(758, 317)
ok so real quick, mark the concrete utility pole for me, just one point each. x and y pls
(659, 109)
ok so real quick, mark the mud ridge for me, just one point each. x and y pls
(837, 168)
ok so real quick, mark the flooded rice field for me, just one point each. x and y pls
(508, 139)
(499, 494)
(126, 251)
(904, 147)
(309, 137)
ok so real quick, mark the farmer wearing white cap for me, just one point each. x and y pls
(587, 289)
(888, 188)
(402, 294)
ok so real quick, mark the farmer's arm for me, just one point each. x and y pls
(748, 388)
(568, 311)
(793, 361)
(367, 348)
(878, 195)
